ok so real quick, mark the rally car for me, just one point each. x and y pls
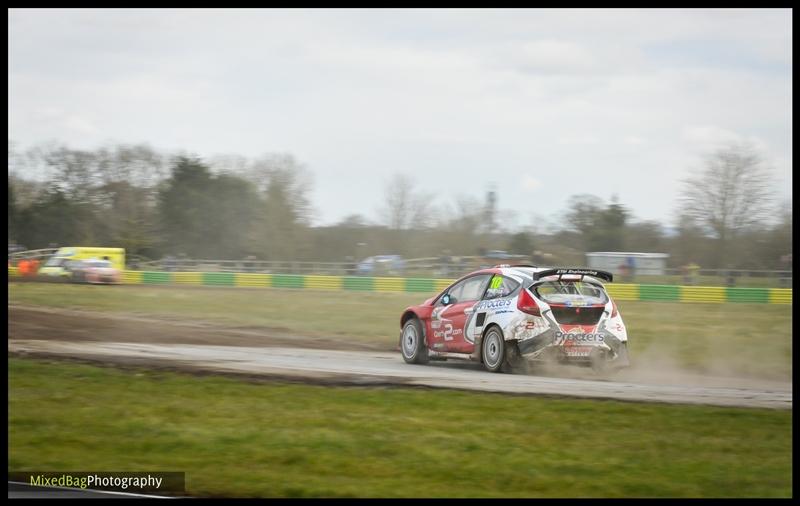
(506, 316)
(93, 271)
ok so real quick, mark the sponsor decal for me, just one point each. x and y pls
(577, 334)
(493, 304)
(577, 271)
(448, 332)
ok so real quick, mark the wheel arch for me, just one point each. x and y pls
(410, 315)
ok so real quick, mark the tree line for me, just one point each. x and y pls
(230, 207)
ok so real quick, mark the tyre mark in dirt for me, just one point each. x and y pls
(27, 322)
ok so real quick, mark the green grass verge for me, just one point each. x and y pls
(741, 281)
(737, 339)
(237, 438)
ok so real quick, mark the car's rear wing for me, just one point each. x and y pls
(574, 271)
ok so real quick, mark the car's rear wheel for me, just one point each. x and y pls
(493, 350)
(412, 343)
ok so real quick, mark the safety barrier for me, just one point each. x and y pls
(619, 291)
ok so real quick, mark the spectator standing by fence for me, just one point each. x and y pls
(624, 272)
(631, 263)
(689, 272)
(786, 264)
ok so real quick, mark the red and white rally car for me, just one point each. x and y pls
(94, 271)
(505, 315)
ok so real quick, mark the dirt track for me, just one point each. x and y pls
(144, 340)
(27, 322)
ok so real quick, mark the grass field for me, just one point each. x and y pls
(234, 438)
(737, 339)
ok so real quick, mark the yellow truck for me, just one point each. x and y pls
(56, 265)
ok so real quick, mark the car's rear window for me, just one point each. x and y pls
(574, 293)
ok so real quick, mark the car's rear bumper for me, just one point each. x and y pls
(583, 354)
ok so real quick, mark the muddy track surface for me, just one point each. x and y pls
(277, 353)
(34, 322)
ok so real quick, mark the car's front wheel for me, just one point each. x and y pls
(493, 350)
(412, 343)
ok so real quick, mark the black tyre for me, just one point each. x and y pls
(412, 343)
(493, 350)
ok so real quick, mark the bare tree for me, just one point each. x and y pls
(404, 207)
(732, 193)
(397, 206)
(281, 230)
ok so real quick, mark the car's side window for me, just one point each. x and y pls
(467, 290)
(500, 286)
(473, 288)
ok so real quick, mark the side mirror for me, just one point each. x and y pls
(448, 299)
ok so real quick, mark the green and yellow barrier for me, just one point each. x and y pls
(619, 291)
(188, 278)
(780, 295)
(704, 294)
(623, 291)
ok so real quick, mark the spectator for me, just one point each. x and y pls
(183, 262)
(731, 280)
(250, 263)
(631, 263)
(350, 265)
(444, 263)
(689, 272)
(624, 271)
(694, 270)
(785, 277)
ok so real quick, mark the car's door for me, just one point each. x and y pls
(497, 299)
(450, 315)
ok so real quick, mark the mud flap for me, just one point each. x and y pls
(513, 361)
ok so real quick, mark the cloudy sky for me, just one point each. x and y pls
(543, 104)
